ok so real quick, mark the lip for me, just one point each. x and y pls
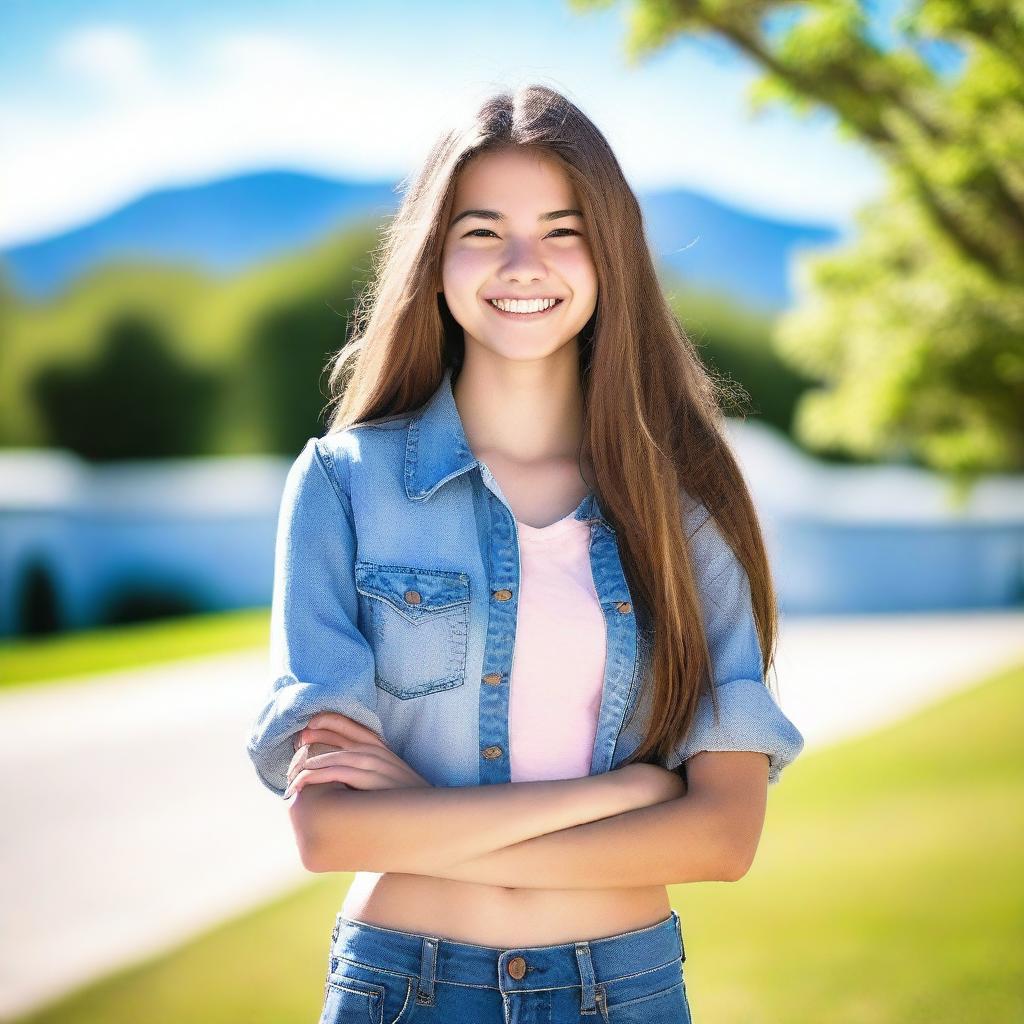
(524, 316)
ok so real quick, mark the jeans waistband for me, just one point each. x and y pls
(509, 968)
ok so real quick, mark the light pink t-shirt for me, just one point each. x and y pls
(559, 659)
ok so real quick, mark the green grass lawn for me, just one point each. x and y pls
(888, 884)
(887, 890)
(84, 653)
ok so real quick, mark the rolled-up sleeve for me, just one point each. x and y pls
(319, 660)
(749, 718)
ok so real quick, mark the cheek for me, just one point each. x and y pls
(463, 271)
(462, 278)
(577, 266)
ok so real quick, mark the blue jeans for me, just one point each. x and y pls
(385, 976)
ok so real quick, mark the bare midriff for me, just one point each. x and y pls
(493, 915)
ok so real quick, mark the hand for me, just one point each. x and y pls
(335, 749)
(652, 782)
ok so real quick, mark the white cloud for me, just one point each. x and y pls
(338, 105)
(248, 101)
(111, 56)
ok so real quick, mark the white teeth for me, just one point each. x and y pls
(522, 305)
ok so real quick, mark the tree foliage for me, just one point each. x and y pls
(136, 400)
(915, 329)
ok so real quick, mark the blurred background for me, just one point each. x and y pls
(189, 194)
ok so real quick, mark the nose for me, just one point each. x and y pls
(523, 264)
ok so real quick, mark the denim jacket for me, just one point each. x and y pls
(396, 582)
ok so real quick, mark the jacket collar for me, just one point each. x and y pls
(436, 451)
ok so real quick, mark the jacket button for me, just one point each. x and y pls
(412, 597)
(624, 606)
(492, 678)
(517, 967)
(502, 595)
(492, 752)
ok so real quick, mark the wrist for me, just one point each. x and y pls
(627, 788)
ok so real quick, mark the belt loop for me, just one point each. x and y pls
(428, 968)
(679, 929)
(586, 967)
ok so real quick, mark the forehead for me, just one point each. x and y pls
(513, 178)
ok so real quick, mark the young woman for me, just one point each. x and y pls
(523, 614)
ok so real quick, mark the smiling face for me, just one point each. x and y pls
(516, 233)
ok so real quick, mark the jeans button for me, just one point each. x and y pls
(517, 967)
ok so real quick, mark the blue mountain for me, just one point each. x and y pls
(710, 244)
(228, 225)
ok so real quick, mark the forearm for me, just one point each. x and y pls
(687, 839)
(420, 830)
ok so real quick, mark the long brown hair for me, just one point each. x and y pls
(654, 427)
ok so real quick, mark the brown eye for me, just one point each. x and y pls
(476, 231)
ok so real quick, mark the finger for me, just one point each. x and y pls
(311, 757)
(302, 781)
(388, 764)
(344, 725)
(311, 776)
(373, 773)
(300, 756)
(367, 759)
(332, 736)
(308, 750)
(308, 735)
(331, 773)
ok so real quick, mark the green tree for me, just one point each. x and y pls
(916, 328)
(136, 400)
(289, 347)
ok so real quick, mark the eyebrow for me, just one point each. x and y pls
(495, 215)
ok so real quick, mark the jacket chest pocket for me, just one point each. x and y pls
(418, 622)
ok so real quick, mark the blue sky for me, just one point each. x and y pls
(103, 101)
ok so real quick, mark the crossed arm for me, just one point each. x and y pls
(684, 839)
(627, 828)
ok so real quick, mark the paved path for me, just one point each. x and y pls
(844, 675)
(132, 819)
